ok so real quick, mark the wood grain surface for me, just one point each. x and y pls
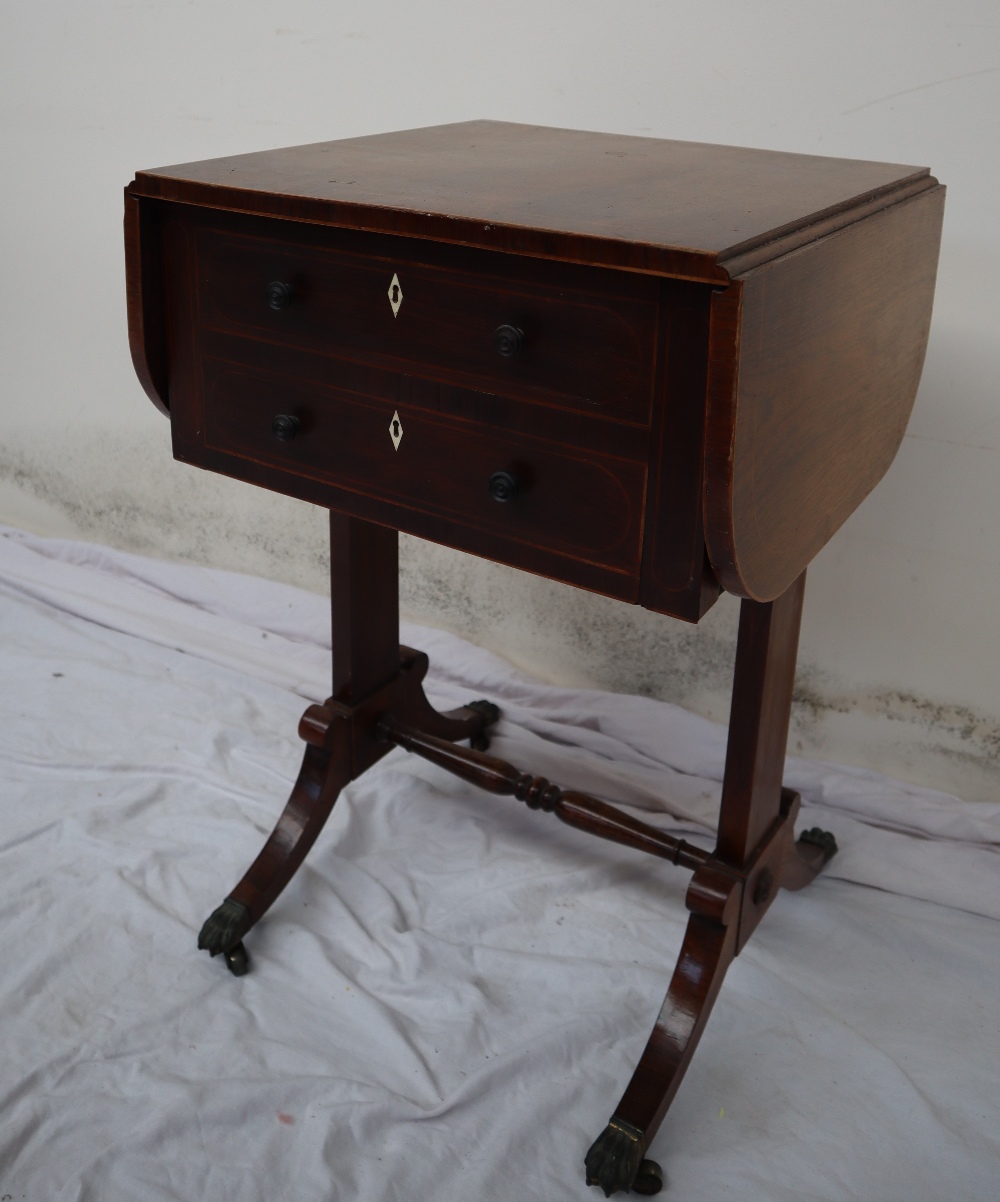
(764, 380)
(816, 358)
(715, 355)
(144, 299)
(588, 334)
(576, 504)
(649, 204)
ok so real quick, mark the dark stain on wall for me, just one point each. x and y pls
(126, 490)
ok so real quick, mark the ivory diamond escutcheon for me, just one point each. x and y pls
(396, 430)
(395, 295)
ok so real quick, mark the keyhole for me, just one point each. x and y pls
(395, 293)
(395, 429)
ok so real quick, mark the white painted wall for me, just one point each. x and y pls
(899, 664)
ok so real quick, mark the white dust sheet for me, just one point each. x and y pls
(447, 1001)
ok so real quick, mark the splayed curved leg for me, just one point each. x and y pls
(727, 905)
(372, 675)
(471, 721)
(616, 1159)
(342, 742)
(728, 896)
(325, 770)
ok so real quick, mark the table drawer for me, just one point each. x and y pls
(574, 503)
(588, 334)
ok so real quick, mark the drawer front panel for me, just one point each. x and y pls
(577, 504)
(582, 349)
(504, 415)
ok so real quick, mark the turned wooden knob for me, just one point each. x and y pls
(279, 295)
(508, 340)
(285, 426)
(504, 486)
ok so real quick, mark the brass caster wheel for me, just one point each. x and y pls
(237, 960)
(649, 1179)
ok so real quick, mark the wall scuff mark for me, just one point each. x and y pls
(154, 506)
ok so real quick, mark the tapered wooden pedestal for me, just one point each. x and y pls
(378, 702)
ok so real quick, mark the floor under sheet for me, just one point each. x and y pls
(447, 1001)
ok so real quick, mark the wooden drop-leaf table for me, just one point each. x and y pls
(656, 370)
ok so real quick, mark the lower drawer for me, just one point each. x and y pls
(575, 504)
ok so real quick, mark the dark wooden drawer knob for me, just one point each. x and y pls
(508, 340)
(285, 427)
(279, 295)
(504, 486)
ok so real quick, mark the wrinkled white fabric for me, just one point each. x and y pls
(448, 999)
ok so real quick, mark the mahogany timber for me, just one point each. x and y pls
(647, 204)
(588, 333)
(816, 360)
(372, 674)
(782, 377)
(364, 607)
(144, 300)
(580, 506)
(753, 805)
(574, 808)
(725, 907)
(720, 352)
(766, 650)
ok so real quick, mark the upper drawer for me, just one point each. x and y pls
(588, 335)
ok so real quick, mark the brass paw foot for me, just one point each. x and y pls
(821, 839)
(223, 931)
(491, 715)
(615, 1161)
